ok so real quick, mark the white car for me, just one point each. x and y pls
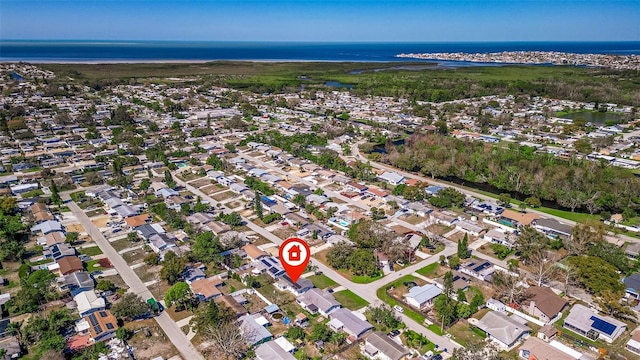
(398, 308)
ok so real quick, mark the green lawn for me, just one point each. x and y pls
(382, 295)
(428, 270)
(91, 251)
(94, 266)
(350, 300)
(322, 281)
(364, 279)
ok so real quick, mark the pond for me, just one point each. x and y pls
(594, 116)
(338, 84)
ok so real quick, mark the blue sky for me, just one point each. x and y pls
(321, 20)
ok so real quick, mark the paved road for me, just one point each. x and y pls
(171, 329)
(365, 291)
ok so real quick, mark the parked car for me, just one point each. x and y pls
(394, 333)
(398, 308)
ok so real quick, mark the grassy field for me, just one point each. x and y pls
(382, 295)
(91, 251)
(428, 270)
(322, 281)
(350, 300)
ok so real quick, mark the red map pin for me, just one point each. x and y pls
(294, 257)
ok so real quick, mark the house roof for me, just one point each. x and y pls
(546, 300)
(583, 318)
(252, 331)
(540, 350)
(632, 282)
(101, 322)
(69, 264)
(351, 323)
(554, 225)
(385, 345)
(521, 218)
(42, 216)
(56, 237)
(320, 298)
(88, 300)
(138, 220)
(37, 207)
(231, 303)
(302, 283)
(422, 294)
(391, 177)
(502, 327)
(272, 351)
(253, 251)
(206, 287)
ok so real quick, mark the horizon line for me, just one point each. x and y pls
(327, 41)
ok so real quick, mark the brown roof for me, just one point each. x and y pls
(41, 216)
(284, 184)
(103, 317)
(138, 220)
(55, 237)
(545, 300)
(540, 350)
(377, 192)
(37, 207)
(253, 251)
(206, 287)
(521, 218)
(232, 304)
(69, 265)
(411, 182)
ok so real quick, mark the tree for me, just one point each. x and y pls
(454, 262)
(124, 334)
(172, 268)
(299, 200)
(504, 199)
(233, 219)
(597, 275)
(200, 206)
(55, 196)
(533, 202)
(105, 285)
(295, 333)
(168, 179)
(129, 307)
(71, 237)
(211, 315)
(257, 204)
(133, 236)
(207, 247)
(509, 288)
(529, 243)
(225, 341)
(382, 317)
(542, 267)
(152, 259)
(178, 294)
(463, 248)
(583, 146)
(320, 332)
(585, 236)
(145, 184)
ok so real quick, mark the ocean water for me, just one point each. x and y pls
(91, 51)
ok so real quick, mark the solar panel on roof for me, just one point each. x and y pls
(602, 325)
(93, 320)
(273, 270)
(266, 263)
(98, 329)
(109, 326)
(103, 314)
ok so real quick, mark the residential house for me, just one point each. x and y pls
(317, 200)
(497, 236)
(392, 178)
(632, 284)
(440, 217)
(355, 187)
(517, 219)
(58, 251)
(253, 252)
(160, 242)
(381, 347)
(543, 303)
(138, 220)
(272, 351)
(547, 333)
(76, 282)
(553, 228)
(298, 288)
(102, 325)
(505, 331)
(478, 268)
(192, 274)
(535, 348)
(469, 227)
(69, 264)
(633, 345)
(232, 303)
(207, 288)
(47, 227)
(352, 323)
(633, 250)
(253, 332)
(52, 238)
(88, 302)
(588, 323)
(318, 301)
(422, 297)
